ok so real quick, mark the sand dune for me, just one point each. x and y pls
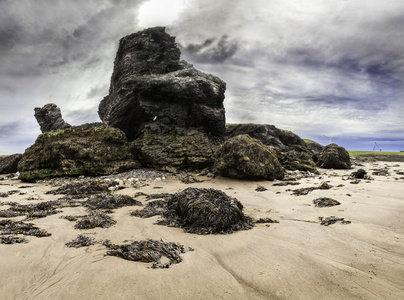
(296, 258)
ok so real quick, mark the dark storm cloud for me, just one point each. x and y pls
(213, 50)
(332, 66)
(335, 67)
(57, 51)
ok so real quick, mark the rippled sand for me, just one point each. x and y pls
(294, 259)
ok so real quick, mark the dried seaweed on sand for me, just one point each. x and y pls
(109, 201)
(81, 241)
(8, 227)
(149, 251)
(325, 202)
(202, 211)
(94, 219)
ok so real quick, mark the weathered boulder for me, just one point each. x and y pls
(150, 84)
(170, 149)
(245, 157)
(314, 146)
(298, 157)
(50, 118)
(294, 153)
(8, 164)
(334, 157)
(269, 135)
(89, 149)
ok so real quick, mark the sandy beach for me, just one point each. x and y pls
(296, 258)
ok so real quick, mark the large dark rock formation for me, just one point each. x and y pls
(293, 152)
(173, 112)
(334, 157)
(244, 157)
(50, 118)
(90, 149)
(8, 164)
(150, 83)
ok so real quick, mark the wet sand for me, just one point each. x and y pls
(296, 258)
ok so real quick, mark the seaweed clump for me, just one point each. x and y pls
(81, 189)
(331, 220)
(10, 239)
(81, 241)
(154, 208)
(8, 227)
(325, 202)
(149, 251)
(109, 201)
(35, 211)
(94, 219)
(205, 211)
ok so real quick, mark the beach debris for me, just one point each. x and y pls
(200, 211)
(8, 227)
(368, 177)
(165, 196)
(302, 191)
(69, 218)
(306, 191)
(81, 189)
(285, 183)
(325, 202)
(139, 194)
(189, 178)
(332, 220)
(38, 210)
(94, 219)
(153, 208)
(325, 186)
(81, 241)
(261, 189)
(355, 181)
(32, 211)
(10, 239)
(359, 174)
(380, 172)
(266, 220)
(150, 251)
(205, 211)
(109, 201)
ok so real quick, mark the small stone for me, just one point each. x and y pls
(261, 189)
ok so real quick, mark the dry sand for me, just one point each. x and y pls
(295, 259)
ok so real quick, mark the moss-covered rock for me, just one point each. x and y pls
(89, 149)
(334, 157)
(166, 148)
(245, 157)
(298, 158)
(293, 153)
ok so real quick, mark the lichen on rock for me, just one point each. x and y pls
(89, 149)
(334, 157)
(243, 157)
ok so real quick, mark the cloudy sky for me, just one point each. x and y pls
(319, 68)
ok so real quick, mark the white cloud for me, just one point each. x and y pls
(160, 12)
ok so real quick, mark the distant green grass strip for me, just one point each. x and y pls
(360, 153)
(4, 155)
